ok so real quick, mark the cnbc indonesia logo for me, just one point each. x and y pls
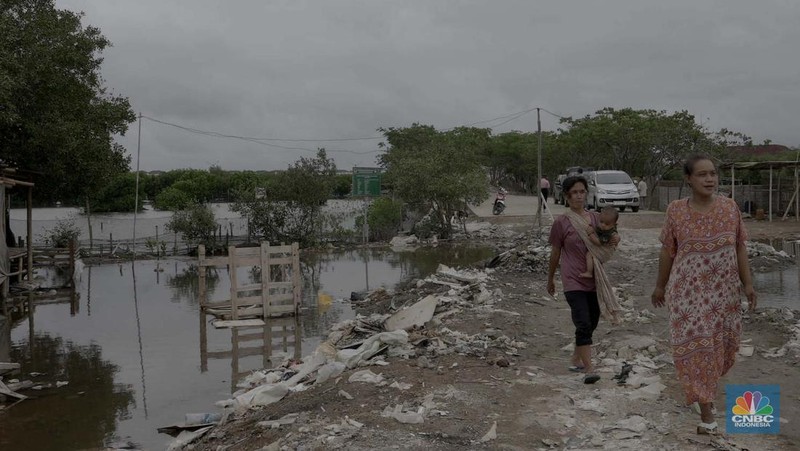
(752, 410)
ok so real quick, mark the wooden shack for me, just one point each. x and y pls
(15, 262)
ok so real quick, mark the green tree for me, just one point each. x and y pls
(512, 158)
(436, 172)
(342, 186)
(647, 143)
(290, 209)
(119, 195)
(172, 199)
(384, 217)
(56, 117)
(197, 225)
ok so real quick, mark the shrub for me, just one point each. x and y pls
(384, 218)
(197, 225)
(64, 231)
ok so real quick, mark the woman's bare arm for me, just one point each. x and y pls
(665, 261)
(745, 276)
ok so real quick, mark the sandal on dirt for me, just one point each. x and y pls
(591, 379)
(708, 428)
(575, 369)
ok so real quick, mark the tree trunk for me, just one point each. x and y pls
(89, 220)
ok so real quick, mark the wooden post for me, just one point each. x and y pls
(201, 273)
(158, 248)
(265, 279)
(29, 207)
(234, 357)
(203, 337)
(297, 338)
(296, 276)
(71, 265)
(111, 242)
(234, 282)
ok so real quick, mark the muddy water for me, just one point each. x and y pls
(138, 354)
(780, 288)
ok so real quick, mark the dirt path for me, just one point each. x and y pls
(501, 364)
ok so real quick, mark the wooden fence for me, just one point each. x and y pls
(276, 294)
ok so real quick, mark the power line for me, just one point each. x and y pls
(253, 139)
(269, 142)
(552, 114)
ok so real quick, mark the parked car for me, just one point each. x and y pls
(613, 188)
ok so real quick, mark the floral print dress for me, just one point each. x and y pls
(704, 293)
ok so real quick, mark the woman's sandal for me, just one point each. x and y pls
(575, 369)
(708, 428)
(591, 378)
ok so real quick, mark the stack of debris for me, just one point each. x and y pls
(365, 341)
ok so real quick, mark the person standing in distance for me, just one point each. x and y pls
(703, 272)
(544, 187)
(642, 187)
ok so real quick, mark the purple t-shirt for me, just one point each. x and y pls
(573, 254)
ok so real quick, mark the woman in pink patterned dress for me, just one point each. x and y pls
(702, 273)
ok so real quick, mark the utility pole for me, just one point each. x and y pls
(136, 194)
(539, 173)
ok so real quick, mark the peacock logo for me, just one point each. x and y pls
(753, 408)
(752, 403)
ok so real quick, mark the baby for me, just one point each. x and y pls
(601, 235)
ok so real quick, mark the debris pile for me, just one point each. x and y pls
(764, 257)
(366, 341)
(531, 256)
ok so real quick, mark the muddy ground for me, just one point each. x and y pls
(525, 389)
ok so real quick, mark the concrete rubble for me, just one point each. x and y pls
(626, 413)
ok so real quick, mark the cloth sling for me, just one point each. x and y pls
(609, 307)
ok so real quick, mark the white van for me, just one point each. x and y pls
(614, 188)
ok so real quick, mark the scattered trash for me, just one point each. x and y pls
(345, 395)
(400, 385)
(186, 437)
(622, 376)
(746, 350)
(410, 417)
(366, 376)
(415, 316)
(282, 421)
(193, 419)
(491, 435)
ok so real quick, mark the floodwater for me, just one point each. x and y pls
(138, 354)
(780, 288)
(149, 223)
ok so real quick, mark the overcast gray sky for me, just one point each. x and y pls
(336, 69)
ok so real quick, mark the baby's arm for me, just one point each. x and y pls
(614, 241)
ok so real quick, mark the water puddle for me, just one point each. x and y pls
(139, 355)
(780, 288)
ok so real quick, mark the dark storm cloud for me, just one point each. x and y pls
(340, 69)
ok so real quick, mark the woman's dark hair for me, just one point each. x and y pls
(688, 165)
(570, 181)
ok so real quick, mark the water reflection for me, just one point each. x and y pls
(82, 414)
(157, 362)
(277, 334)
(778, 288)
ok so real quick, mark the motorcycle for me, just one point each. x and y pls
(499, 202)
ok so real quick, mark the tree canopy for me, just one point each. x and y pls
(56, 116)
(436, 171)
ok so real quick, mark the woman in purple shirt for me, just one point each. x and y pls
(569, 250)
